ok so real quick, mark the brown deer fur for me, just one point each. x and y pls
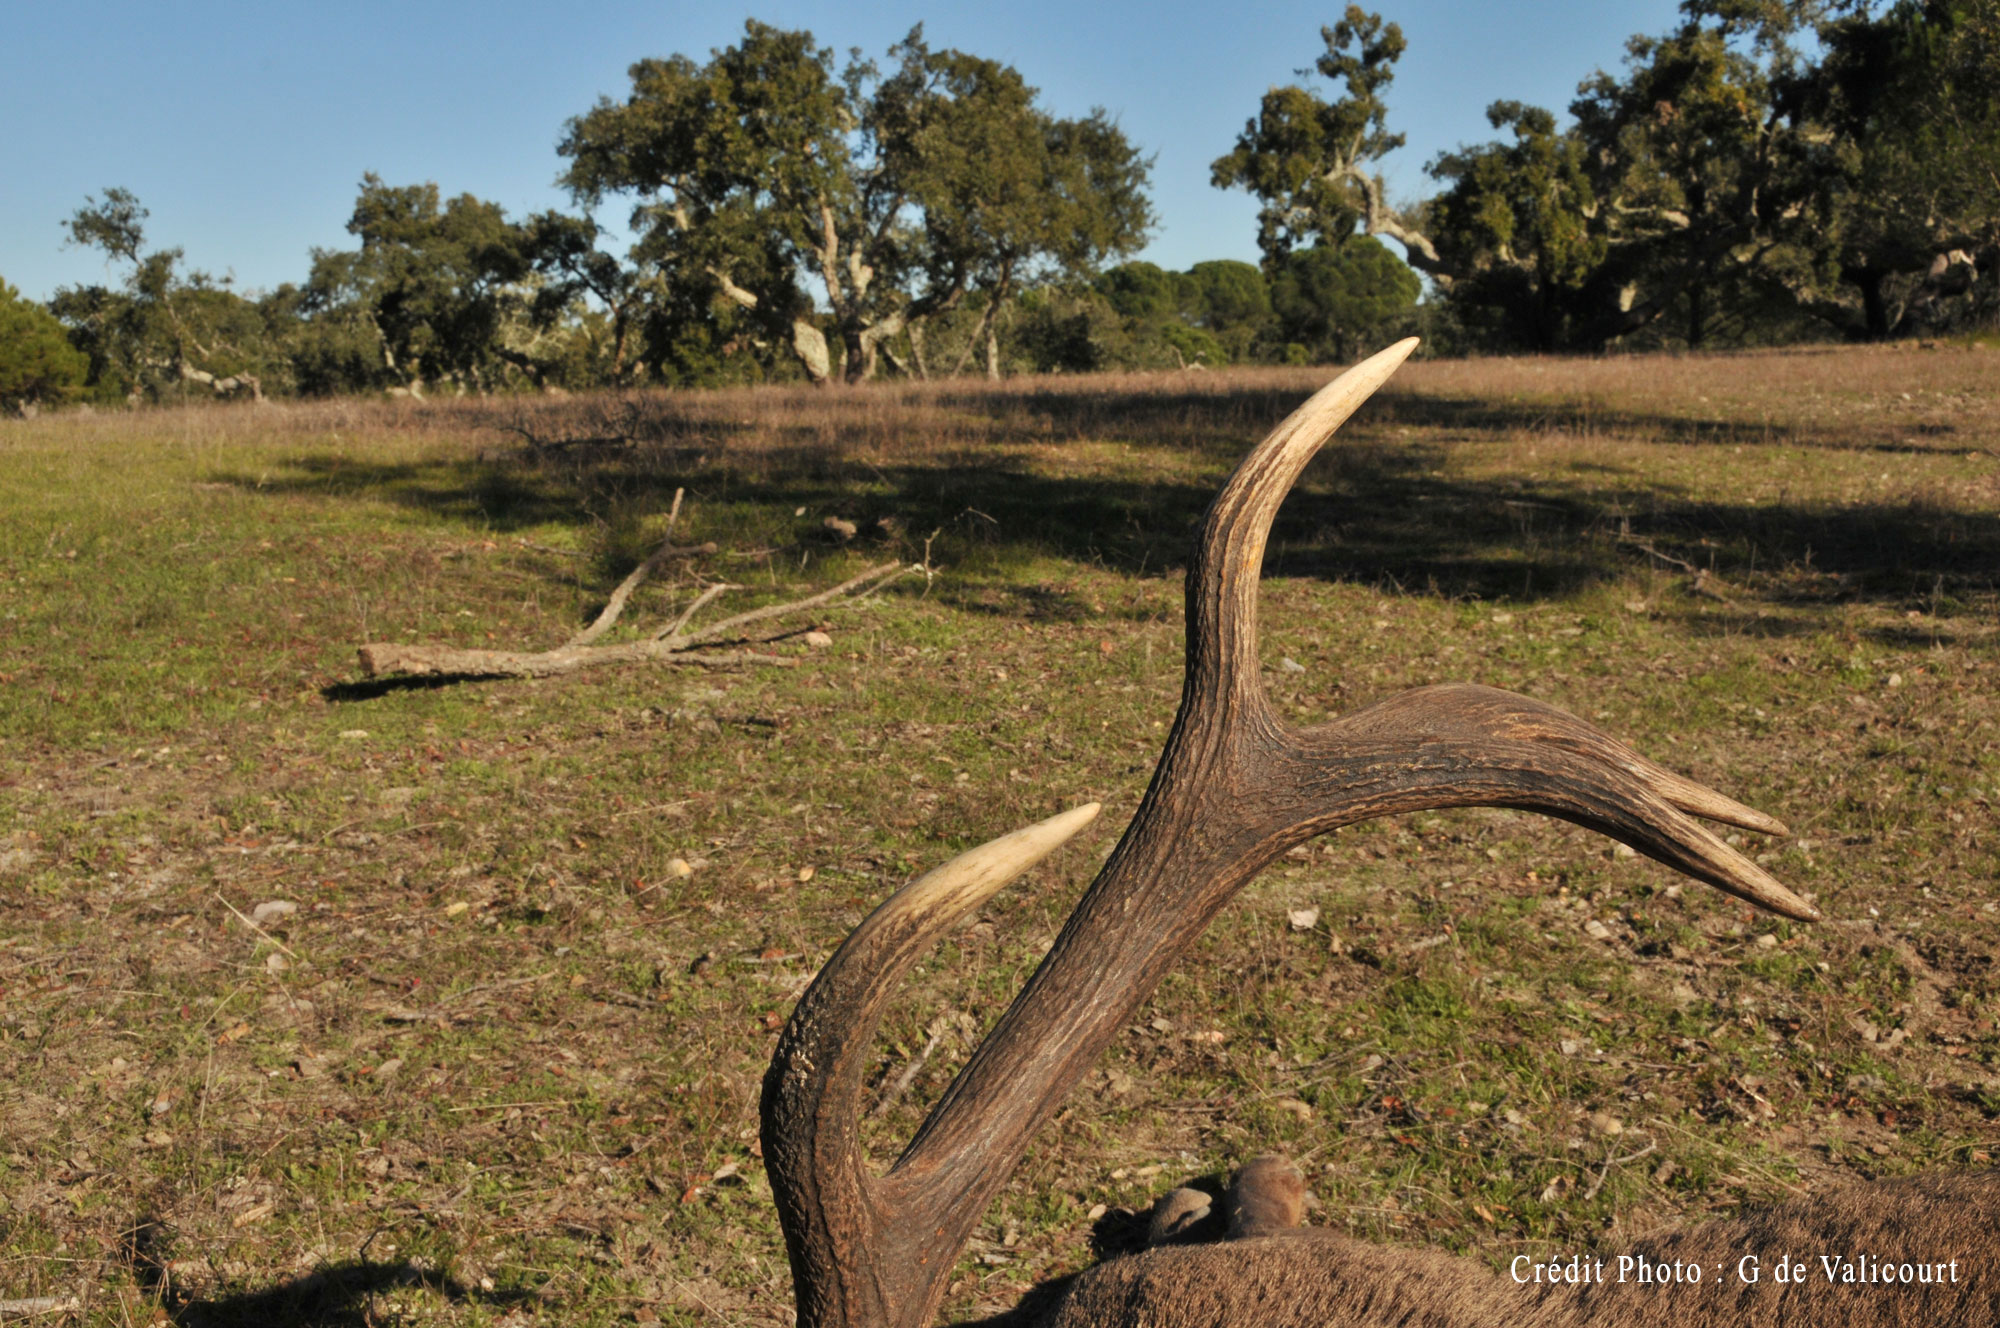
(1311, 1278)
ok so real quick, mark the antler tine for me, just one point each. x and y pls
(1508, 714)
(1340, 777)
(812, 1092)
(1624, 795)
(1204, 828)
(1228, 561)
(1234, 789)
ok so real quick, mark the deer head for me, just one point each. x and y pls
(1235, 788)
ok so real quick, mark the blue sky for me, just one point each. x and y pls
(245, 128)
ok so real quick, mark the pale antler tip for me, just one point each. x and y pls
(1390, 358)
(1359, 380)
(1743, 878)
(976, 875)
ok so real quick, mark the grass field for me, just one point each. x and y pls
(499, 1064)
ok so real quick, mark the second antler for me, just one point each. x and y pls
(1235, 788)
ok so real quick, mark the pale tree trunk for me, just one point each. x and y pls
(865, 339)
(808, 342)
(989, 324)
(223, 387)
(869, 343)
(1378, 218)
(857, 361)
(413, 382)
(621, 331)
(809, 345)
(525, 363)
(971, 345)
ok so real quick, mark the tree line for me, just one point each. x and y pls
(1768, 171)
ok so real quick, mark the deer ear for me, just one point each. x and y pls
(1266, 1195)
(1181, 1217)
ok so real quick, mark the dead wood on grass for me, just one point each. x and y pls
(671, 644)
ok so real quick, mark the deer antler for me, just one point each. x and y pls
(1235, 788)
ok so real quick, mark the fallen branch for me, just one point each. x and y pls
(616, 604)
(877, 574)
(668, 646)
(385, 657)
(673, 628)
(1649, 550)
(1704, 583)
(1610, 1162)
(1714, 587)
(254, 927)
(672, 644)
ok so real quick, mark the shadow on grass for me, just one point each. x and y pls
(374, 689)
(1231, 417)
(338, 1297)
(499, 494)
(1369, 510)
(1474, 415)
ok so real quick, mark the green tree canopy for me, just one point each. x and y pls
(1517, 222)
(1333, 299)
(770, 180)
(1141, 290)
(1214, 313)
(1910, 101)
(1307, 158)
(438, 285)
(1699, 169)
(566, 251)
(37, 363)
(162, 328)
(1226, 294)
(1733, 178)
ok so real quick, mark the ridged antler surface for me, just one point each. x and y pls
(1235, 788)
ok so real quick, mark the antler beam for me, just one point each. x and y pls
(1234, 789)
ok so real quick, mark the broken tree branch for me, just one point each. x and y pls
(880, 572)
(1650, 551)
(380, 658)
(1705, 582)
(616, 604)
(386, 657)
(674, 628)
(34, 1305)
(670, 644)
